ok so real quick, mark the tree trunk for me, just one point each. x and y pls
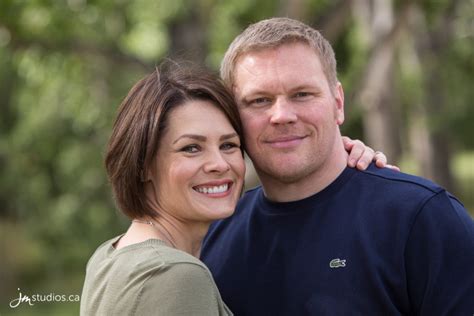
(431, 43)
(188, 38)
(334, 21)
(381, 114)
(294, 9)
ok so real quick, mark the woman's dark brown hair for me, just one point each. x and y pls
(142, 119)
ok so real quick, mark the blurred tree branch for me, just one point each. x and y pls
(78, 47)
(334, 20)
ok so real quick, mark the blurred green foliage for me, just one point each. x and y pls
(65, 67)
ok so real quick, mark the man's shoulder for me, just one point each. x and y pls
(403, 192)
(385, 177)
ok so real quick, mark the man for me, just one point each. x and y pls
(319, 238)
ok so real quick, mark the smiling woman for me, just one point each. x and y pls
(175, 162)
(197, 177)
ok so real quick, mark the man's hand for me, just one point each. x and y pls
(360, 156)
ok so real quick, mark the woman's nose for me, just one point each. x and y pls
(216, 162)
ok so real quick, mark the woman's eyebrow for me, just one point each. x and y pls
(192, 136)
(228, 136)
(203, 138)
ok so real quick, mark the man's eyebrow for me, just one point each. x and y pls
(192, 136)
(262, 92)
(254, 91)
(305, 87)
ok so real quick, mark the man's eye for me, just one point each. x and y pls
(259, 101)
(302, 94)
(190, 148)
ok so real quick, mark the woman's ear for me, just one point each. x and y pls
(146, 174)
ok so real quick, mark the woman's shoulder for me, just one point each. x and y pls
(181, 268)
(184, 286)
(149, 255)
(158, 278)
(156, 252)
(102, 251)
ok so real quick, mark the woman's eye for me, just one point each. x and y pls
(190, 148)
(227, 146)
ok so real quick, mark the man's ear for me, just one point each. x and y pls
(339, 98)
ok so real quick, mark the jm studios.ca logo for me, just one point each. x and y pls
(42, 298)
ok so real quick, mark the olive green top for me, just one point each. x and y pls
(148, 278)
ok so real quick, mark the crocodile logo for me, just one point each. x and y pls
(337, 263)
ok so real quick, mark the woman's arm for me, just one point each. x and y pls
(182, 289)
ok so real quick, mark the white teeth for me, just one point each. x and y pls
(213, 190)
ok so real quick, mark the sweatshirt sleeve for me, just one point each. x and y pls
(183, 289)
(439, 258)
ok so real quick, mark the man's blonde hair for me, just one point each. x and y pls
(275, 32)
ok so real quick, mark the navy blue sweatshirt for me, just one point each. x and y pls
(374, 242)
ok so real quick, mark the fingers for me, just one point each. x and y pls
(360, 156)
(356, 154)
(380, 159)
(366, 158)
(393, 167)
(348, 143)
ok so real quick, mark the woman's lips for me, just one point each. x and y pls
(215, 188)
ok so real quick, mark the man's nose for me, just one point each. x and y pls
(282, 112)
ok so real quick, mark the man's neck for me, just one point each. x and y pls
(281, 191)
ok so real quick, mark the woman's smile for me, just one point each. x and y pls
(215, 189)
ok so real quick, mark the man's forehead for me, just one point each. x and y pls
(289, 54)
(256, 50)
(266, 66)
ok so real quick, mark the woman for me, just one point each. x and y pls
(175, 162)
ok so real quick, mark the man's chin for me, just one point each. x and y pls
(286, 173)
